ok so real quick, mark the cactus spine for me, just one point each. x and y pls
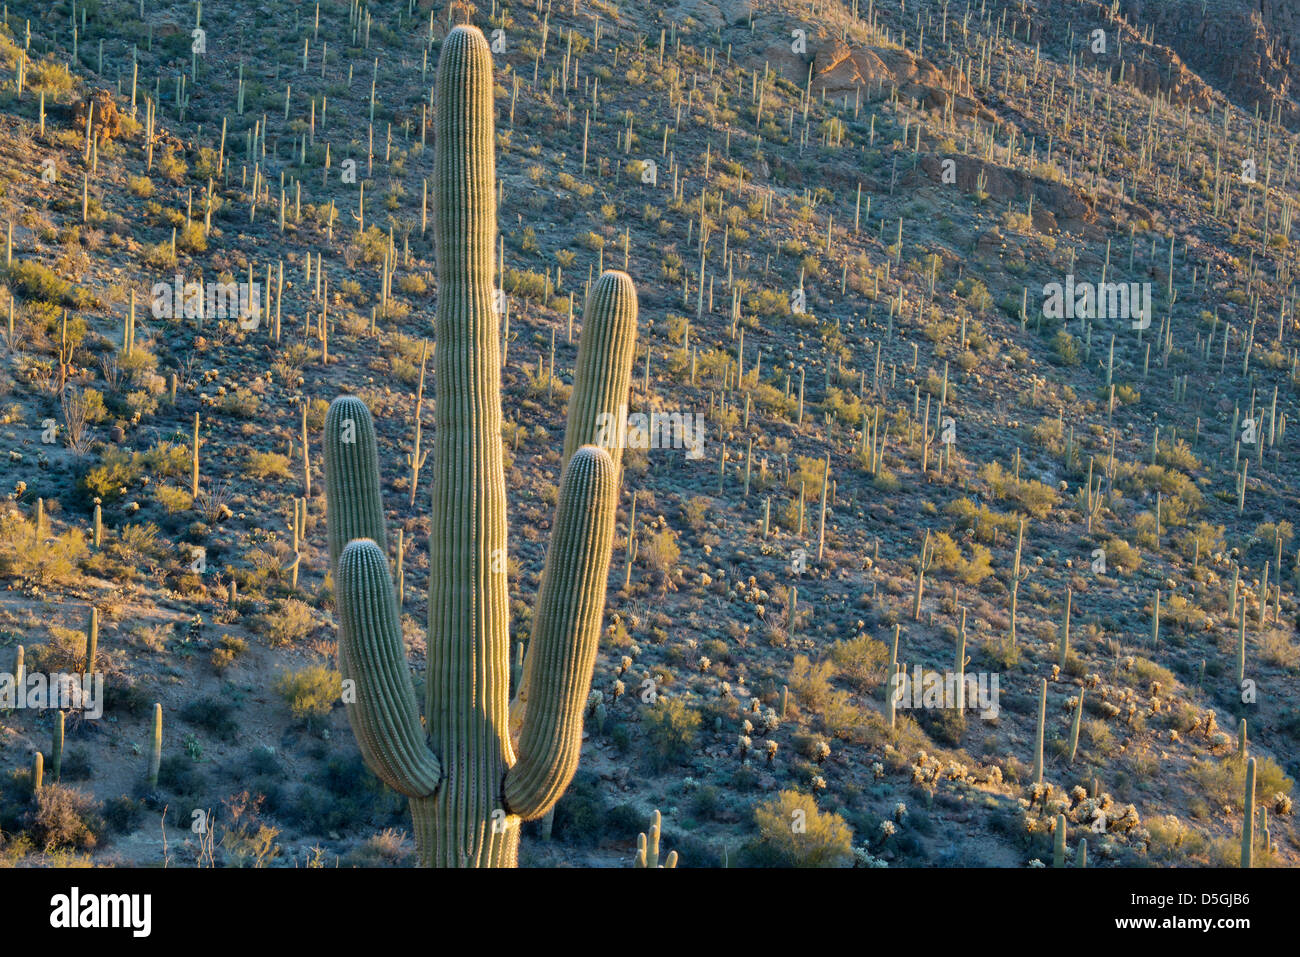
(482, 766)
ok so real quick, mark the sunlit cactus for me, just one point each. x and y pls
(478, 766)
(647, 847)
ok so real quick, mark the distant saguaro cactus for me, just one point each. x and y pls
(155, 745)
(647, 848)
(1248, 820)
(483, 764)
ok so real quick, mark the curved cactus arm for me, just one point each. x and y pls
(598, 406)
(382, 711)
(566, 633)
(355, 505)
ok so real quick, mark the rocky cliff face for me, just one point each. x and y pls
(1244, 47)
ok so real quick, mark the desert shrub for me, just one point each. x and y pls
(1278, 649)
(174, 500)
(172, 165)
(241, 403)
(248, 841)
(117, 471)
(1067, 349)
(63, 652)
(981, 519)
(861, 661)
(123, 813)
(1033, 496)
(580, 814)
(212, 715)
(311, 692)
(1120, 554)
(793, 832)
(51, 77)
(388, 848)
(191, 238)
(47, 559)
(289, 620)
(662, 553)
(227, 652)
(1224, 782)
(810, 682)
(670, 727)
(267, 465)
(31, 280)
(64, 817)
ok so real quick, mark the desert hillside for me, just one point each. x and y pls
(966, 345)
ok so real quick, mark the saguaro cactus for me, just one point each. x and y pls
(1248, 820)
(483, 764)
(647, 848)
(56, 753)
(155, 745)
(1038, 738)
(92, 640)
(604, 370)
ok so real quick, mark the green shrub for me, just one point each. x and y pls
(288, 621)
(794, 833)
(311, 692)
(670, 727)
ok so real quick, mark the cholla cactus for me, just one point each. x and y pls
(864, 858)
(481, 764)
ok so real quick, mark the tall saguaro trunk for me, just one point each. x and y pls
(469, 648)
